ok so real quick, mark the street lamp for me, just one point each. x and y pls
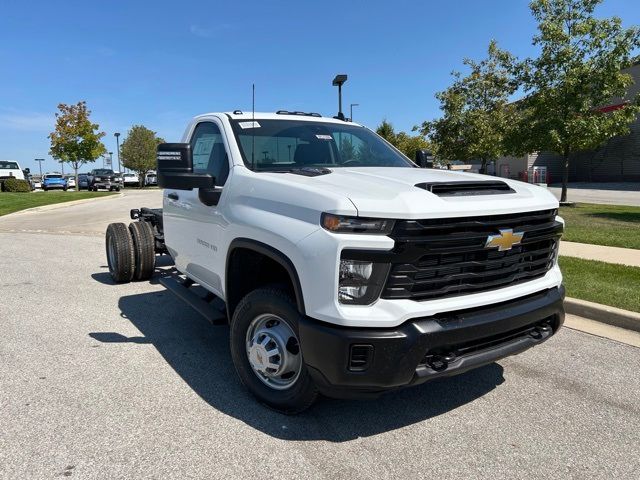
(351, 110)
(40, 160)
(117, 135)
(338, 82)
(111, 160)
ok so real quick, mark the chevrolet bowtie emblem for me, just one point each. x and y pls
(505, 240)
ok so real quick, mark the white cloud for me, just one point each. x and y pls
(201, 31)
(106, 51)
(27, 121)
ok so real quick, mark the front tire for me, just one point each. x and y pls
(120, 254)
(266, 351)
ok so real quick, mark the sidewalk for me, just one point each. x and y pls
(624, 256)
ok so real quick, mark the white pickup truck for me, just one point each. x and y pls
(340, 266)
(10, 168)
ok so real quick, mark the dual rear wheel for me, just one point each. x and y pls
(130, 251)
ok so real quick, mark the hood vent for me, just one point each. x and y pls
(467, 188)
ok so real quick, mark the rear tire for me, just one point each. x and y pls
(120, 254)
(144, 250)
(291, 392)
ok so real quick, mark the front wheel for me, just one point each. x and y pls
(266, 353)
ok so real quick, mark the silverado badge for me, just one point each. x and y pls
(505, 240)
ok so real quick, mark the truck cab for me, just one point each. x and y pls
(343, 268)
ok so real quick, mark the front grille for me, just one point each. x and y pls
(439, 258)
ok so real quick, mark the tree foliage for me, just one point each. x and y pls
(76, 140)
(138, 150)
(476, 115)
(577, 72)
(407, 144)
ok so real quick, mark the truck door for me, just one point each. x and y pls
(195, 229)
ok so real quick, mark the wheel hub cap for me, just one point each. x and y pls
(273, 351)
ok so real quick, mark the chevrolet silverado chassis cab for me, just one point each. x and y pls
(340, 266)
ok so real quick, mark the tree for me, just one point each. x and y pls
(577, 72)
(476, 111)
(138, 150)
(75, 139)
(407, 144)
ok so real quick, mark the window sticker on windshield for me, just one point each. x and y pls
(324, 137)
(244, 125)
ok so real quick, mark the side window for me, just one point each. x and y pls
(208, 150)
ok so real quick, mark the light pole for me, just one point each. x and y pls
(117, 135)
(40, 160)
(338, 82)
(111, 160)
(351, 110)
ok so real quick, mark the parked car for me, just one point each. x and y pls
(71, 181)
(102, 178)
(131, 180)
(83, 181)
(54, 181)
(151, 179)
(36, 182)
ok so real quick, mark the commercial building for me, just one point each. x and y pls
(618, 160)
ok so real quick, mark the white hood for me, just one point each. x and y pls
(391, 193)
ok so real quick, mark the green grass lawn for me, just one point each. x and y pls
(13, 202)
(600, 282)
(611, 225)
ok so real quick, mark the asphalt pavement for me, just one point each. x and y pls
(123, 381)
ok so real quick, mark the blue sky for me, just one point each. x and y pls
(159, 63)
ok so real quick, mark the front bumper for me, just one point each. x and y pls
(360, 362)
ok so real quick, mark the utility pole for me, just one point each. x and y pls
(117, 135)
(40, 160)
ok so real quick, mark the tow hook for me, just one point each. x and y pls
(440, 363)
(540, 331)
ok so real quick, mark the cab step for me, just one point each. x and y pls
(209, 306)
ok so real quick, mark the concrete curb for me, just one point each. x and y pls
(603, 313)
(54, 206)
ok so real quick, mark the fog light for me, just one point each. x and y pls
(359, 281)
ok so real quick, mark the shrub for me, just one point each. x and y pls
(15, 185)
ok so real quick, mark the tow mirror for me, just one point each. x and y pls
(424, 158)
(175, 168)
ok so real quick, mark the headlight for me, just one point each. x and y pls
(342, 224)
(360, 282)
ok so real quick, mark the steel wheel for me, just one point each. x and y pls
(273, 351)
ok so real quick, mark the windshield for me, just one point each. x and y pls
(103, 171)
(53, 176)
(282, 145)
(8, 165)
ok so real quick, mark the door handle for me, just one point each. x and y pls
(173, 196)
